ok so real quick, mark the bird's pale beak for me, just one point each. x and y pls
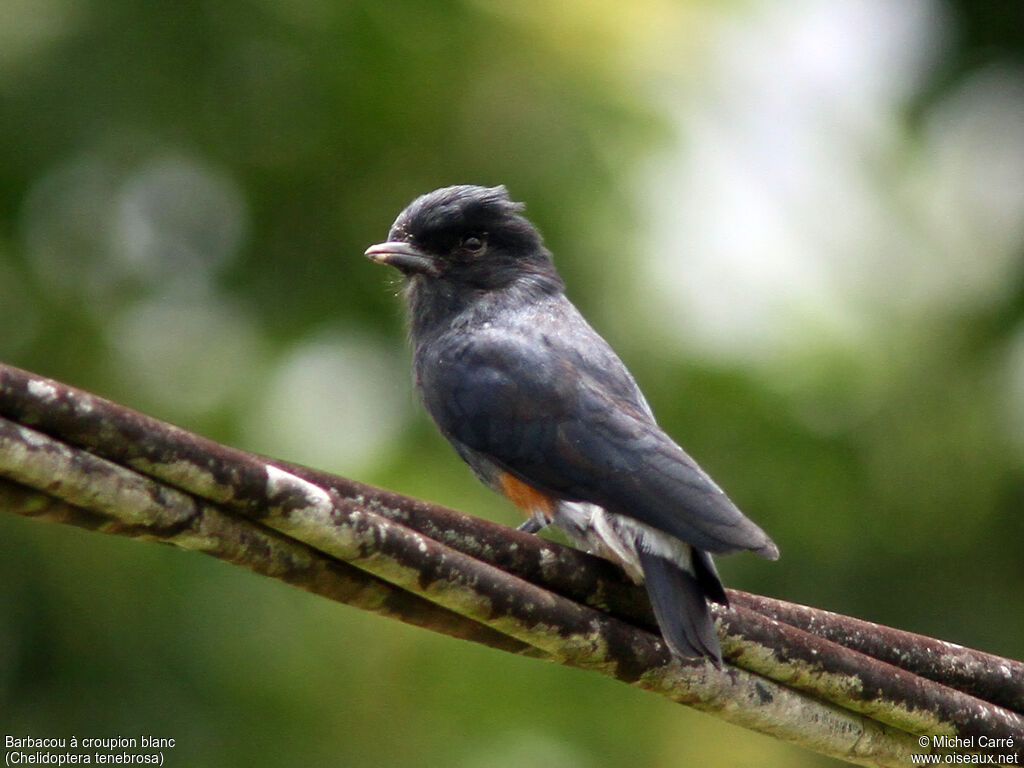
(405, 257)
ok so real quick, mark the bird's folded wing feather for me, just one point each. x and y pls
(583, 432)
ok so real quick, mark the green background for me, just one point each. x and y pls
(800, 224)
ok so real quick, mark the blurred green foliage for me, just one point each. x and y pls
(185, 193)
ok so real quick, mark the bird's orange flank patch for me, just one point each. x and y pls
(524, 496)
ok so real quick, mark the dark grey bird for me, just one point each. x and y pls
(545, 413)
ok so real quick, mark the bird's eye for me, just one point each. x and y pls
(473, 243)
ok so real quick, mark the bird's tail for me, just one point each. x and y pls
(679, 599)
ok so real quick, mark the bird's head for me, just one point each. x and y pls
(466, 238)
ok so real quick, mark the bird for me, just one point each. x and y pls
(544, 412)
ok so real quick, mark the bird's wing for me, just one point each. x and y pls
(572, 429)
